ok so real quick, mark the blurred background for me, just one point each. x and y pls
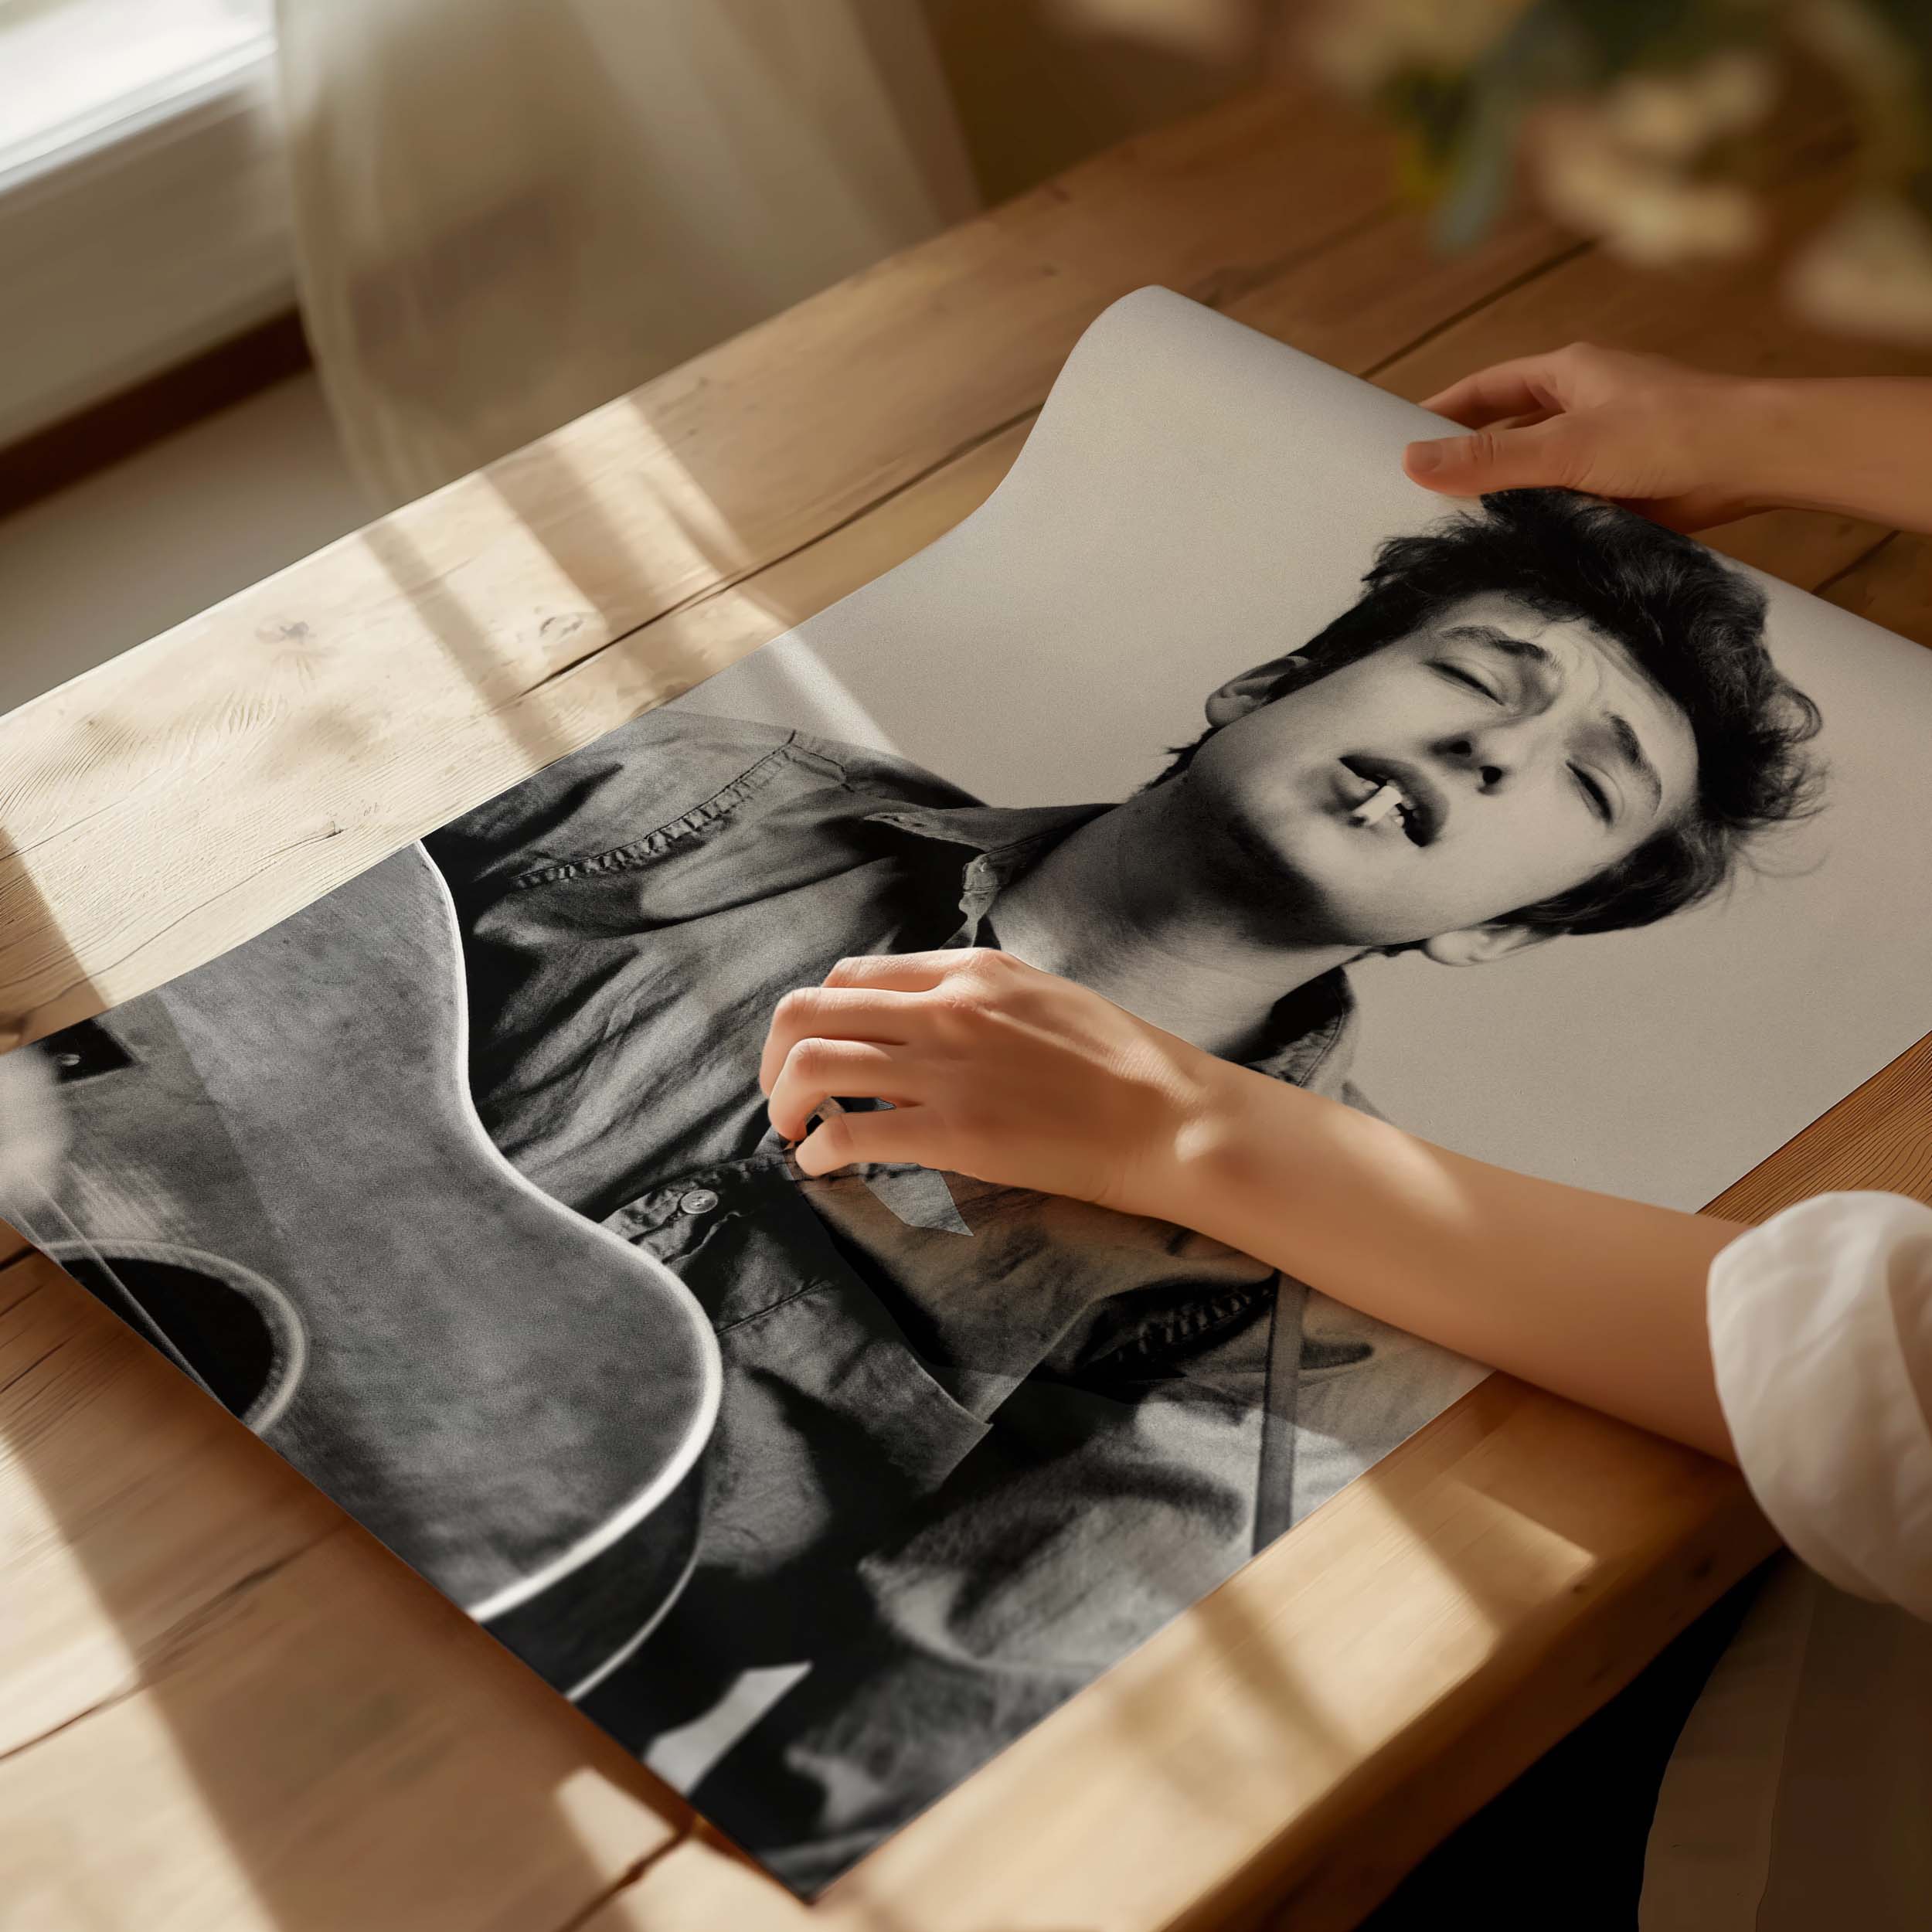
(266, 270)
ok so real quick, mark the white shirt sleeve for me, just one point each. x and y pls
(1821, 1329)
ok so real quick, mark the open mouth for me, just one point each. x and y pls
(1392, 788)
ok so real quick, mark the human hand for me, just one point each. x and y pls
(1681, 445)
(994, 1070)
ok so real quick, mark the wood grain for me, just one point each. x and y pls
(225, 1707)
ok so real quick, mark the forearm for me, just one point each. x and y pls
(1599, 1299)
(1858, 446)
(999, 1070)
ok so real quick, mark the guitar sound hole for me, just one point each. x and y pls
(229, 1338)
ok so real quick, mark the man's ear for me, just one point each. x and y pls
(1251, 690)
(1482, 945)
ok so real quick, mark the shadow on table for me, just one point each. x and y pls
(278, 1725)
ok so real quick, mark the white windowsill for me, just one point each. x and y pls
(143, 207)
(81, 73)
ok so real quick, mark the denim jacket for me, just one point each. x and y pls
(976, 1442)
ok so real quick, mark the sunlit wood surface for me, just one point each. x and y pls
(223, 1706)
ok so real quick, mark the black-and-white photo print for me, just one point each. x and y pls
(1536, 827)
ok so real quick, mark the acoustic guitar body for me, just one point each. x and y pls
(275, 1159)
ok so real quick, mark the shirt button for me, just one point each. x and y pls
(700, 1200)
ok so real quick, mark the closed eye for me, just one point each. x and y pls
(1474, 680)
(1593, 789)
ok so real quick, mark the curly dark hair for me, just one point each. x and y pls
(1693, 622)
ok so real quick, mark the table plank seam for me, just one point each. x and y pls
(1219, 289)
(39, 1361)
(1824, 587)
(634, 1874)
(112, 1699)
(155, 1660)
(29, 1282)
(738, 579)
(1502, 292)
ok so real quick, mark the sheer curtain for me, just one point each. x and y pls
(508, 211)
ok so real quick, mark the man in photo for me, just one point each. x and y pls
(976, 1443)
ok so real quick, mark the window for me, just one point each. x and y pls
(144, 211)
(80, 72)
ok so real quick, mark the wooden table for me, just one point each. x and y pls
(225, 1705)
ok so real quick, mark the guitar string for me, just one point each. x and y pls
(137, 1314)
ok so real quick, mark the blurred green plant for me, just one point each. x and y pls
(1648, 125)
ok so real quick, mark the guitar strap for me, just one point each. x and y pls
(1274, 1477)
